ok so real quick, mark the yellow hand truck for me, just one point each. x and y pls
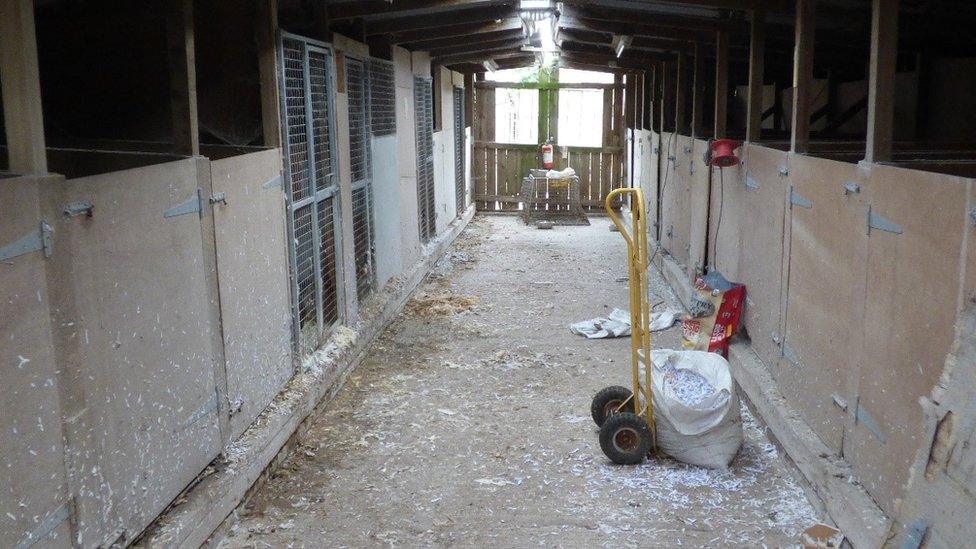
(626, 416)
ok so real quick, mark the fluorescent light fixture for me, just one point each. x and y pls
(490, 65)
(620, 43)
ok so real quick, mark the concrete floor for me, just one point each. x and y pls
(468, 423)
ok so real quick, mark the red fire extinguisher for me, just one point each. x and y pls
(547, 162)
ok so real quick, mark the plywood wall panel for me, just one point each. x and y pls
(761, 247)
(699, 180)
(825, 295)
(135, 333)
(668, 192)
(911, 301)
(681, 218)
(33, 486)
(252, 262)
(725, 220)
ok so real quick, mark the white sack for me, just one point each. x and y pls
(709, 433)
(617, 324)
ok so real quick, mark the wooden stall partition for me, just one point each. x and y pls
(761, 246)
(699, 195)
(680, 203)
(916, 225)
(728, 193)
(825, 294)
(138, 342)
(252, 268)
(35, 490)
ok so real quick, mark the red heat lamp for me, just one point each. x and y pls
(722, 153)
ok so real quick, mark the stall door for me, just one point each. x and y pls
(424, 114)
(311, 189)
(362, 180)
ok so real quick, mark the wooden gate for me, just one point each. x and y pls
(497, 168)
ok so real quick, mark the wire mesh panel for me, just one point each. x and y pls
(382, 97)
(295, 118)
(423, 106)
(307, 117)
(460, 196)
(318, 76)
(362, 207)
(328, 261)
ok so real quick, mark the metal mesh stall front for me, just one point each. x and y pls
(426, 209)
(460, 194)
(362, 214)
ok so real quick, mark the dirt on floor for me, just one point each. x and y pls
(468, 423)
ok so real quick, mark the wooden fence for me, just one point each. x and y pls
(498, 168)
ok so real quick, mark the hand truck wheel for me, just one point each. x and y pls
(625, 438)
(608, 402)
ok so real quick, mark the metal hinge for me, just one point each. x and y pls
(875, 221)
(862, 416)
(193, 205)
(839, 402)
(797, 200)
(751, 183)
(78, 208)
(220, 197)
(40, 240)
(272, 183)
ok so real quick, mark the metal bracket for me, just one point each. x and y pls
(851, 188)
(193, 205)
(220, 197)
(788, 354)
(839, 402)
(272, 183)
(47, 525)
(691, 167)
(863, 417)
(33, 242)
(875, 221)
(750, 182)
(797, 200)
(78, 208)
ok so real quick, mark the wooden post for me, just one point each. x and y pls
(182, 77)
(803, 75)
(757, 54)
(266, 28)
(681, 80)
(469, 100)
(697, 92)
(22, 114)
(881, 80)
(721, 83)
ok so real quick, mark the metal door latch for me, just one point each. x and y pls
(784, 171)
(40, 240)
(220, 197)
(972, 217)
(851, 188)
(78, 208)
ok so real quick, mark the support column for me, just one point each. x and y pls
(802, 75)
(721, 83)
(21, 85)
(757, 54)
(266, 28)
(681, 125)
(697, 91)
(881, 80)
(182, 77)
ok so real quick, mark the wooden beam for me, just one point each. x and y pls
(503, 53)
(633, 28)
(21, 84)
(485, 45)
(757, 55)
(881, 80)
(396, 25)
(662, 19)
(405, 36)
(265, 30)
(772, 5)
(803, 75)
(721, 83)
(467, 39)
(681, 120)
(697, 91)
(367, 8)
(182, 77)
